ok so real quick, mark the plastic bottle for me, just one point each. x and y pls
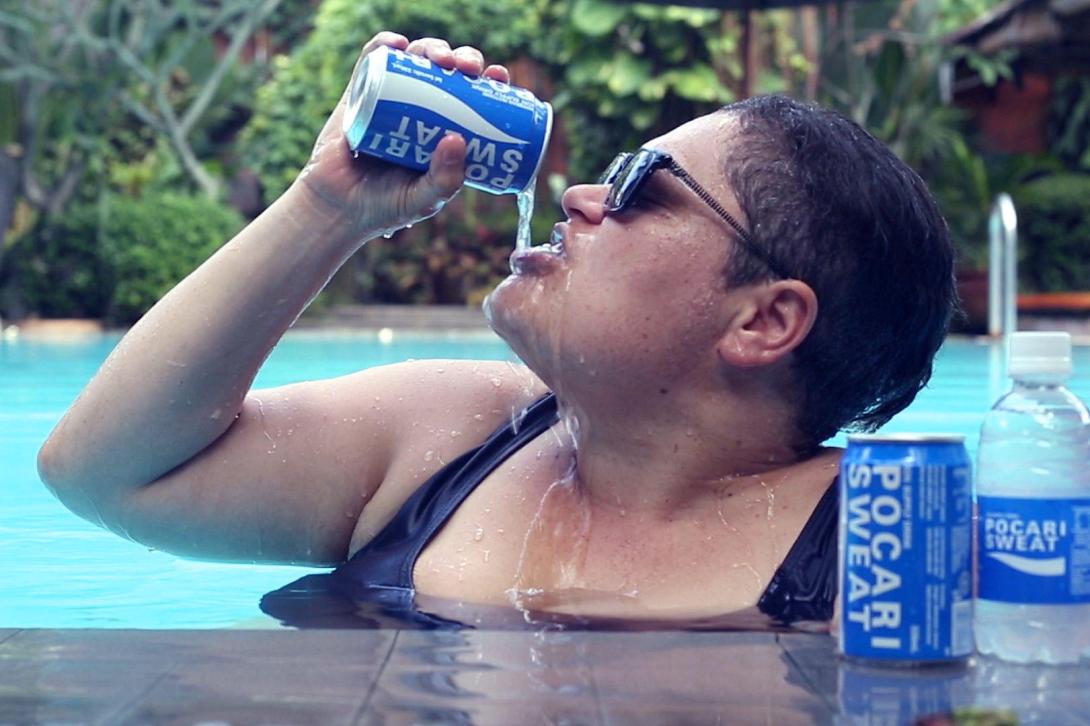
(1033, 499)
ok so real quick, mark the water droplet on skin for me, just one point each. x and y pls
(429, 455)
(771, 494)
(216, 414)
(752, 571)
(496, 382)
(387, 235)
(455, 434)
(478, 535)
(355, 154)
(261, 414)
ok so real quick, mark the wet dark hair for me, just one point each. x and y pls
(842, 213)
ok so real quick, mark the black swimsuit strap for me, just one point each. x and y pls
(804, 586)
(388, 559)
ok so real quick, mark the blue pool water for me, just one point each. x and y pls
(59, 571)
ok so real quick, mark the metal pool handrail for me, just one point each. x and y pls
(1002, 267)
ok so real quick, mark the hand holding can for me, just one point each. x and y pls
(401, 105)
(376, 197)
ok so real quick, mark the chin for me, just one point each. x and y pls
(518, 317)
(512, 304)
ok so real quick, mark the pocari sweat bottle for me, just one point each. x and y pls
(1033, 500)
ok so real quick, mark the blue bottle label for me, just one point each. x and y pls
(1034, 550)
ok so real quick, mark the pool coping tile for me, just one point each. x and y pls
(480, 676)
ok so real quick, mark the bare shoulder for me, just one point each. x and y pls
(466, 395)
(440, 409)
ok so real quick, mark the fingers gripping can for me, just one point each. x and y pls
(905, 550)
(400, 106)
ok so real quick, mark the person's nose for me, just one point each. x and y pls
(585, 200)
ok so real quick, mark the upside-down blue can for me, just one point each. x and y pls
(905, 549)
(400, 105)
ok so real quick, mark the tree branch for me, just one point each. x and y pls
(178, 141)
(28, 133)
(211, 85)
(142, 112)
(62, 193)
(9, 195)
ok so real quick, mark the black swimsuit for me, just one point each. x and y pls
(380, 574)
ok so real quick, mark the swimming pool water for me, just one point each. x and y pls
(61, 572)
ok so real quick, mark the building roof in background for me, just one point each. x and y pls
(1029, 25)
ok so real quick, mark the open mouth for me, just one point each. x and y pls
(542, 258)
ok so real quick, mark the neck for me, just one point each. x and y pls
(676, 450)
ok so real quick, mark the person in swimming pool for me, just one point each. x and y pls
(719, 305)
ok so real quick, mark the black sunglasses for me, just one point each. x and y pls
(628, 172)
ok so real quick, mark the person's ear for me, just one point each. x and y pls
(772, 320)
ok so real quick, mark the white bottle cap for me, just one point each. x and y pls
(1047, 354)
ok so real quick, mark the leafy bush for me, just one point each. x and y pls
(115, 259)
(60, 272)
(156, 241)
(632, 71)
(1069, 122)
(1054, 233)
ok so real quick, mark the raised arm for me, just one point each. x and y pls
(165, 446)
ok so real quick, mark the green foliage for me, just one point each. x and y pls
(60, 271)
(1069, 122)
(630, 72)
(154, 242)
(888, 82)
(1054, 233)
(966, 184)
(886, 77)
(116, 258)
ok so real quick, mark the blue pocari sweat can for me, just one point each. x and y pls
(400, 105)
(905, 549)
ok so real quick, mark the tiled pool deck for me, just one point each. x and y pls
(492, 677)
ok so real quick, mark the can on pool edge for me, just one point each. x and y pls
(905, 538)
(400, 105)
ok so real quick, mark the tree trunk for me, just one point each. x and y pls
(811, 33)
(9, 194)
